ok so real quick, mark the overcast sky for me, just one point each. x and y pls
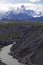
(36, 5)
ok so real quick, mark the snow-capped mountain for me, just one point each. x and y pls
(23, 15)
(18, 16)
(1, 14)
(39, 14)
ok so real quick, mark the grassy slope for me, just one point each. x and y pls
(7, 31)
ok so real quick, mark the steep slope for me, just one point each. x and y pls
(27, 46)
(10, 33)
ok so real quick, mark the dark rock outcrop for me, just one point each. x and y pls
(1, 63)
(28, 45)
(5, 43)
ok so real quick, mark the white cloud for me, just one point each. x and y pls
(36, 7)
(34, 1)
(20, 1)
(3, 7)
(4, 1)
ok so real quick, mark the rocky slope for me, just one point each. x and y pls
(10, 33)
(28, 45)
(1, 63)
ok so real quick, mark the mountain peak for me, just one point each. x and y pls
(22, 7)
(23, 15)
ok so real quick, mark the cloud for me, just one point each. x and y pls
(5, 5)
(20, 1)
(33, 1)
(31, 6)
(8, 1)
(3, 1)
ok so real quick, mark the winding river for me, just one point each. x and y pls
(7, 59)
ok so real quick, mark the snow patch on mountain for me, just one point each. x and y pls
(20, 13)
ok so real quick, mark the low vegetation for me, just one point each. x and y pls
(8, 31)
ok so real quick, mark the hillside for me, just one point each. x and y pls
(28, 45)
(10, 32)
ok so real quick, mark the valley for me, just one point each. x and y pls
(24, 34)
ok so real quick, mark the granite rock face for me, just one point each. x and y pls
(28, 45)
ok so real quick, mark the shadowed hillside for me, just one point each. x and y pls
(11, 32)
(28, 45)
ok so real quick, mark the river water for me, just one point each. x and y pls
(7, 59)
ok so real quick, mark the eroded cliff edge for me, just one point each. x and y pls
(30, 45)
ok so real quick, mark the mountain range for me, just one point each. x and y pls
(22, 15)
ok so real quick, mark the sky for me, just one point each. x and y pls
(36, 5)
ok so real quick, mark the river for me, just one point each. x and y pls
(7, 59)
